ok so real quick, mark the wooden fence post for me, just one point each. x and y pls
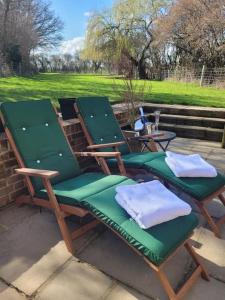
(223, 139)
(202, 75)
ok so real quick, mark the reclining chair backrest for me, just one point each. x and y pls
(100, 121)
(39, 138)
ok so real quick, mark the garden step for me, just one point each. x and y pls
(184, 110)
(197, 132)
(190, 120)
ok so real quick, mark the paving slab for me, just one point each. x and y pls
(76, 281)
(212, 251)
(30, 280)
(111, 255)
(8, 293)
(25, 243)
(32, 249)
(202, 150)
(217, 159)
(122, 292)
(180, 150)
(213, 290)
(196, 142)
(193, 144)
(10, 216)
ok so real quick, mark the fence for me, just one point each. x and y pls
(203, 77)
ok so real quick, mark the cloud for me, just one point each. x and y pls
(72, 46)
(88, 14)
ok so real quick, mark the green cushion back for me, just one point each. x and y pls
(39, 138)
(100, 121)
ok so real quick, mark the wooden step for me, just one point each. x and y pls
(205, 123)
(190, 120)
(197, 132)
(183, 110)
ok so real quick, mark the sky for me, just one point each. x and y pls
(75, 14)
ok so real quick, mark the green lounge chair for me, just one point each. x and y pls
(103, 132)
(55, 181)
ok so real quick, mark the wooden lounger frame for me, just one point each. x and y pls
(215, 226)
(62, 211)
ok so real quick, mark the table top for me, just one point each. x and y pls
(164, 136)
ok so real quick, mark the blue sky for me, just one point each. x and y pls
(74, 14)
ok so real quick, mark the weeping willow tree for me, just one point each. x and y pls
(125, 33)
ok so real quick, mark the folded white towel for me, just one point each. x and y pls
(150, 203)
(189, 165)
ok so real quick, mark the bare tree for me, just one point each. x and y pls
(196, 30)
(25, 26)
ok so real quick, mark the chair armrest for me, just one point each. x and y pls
(37, 173)
(102, 156)
(116, 144)
(98, 154)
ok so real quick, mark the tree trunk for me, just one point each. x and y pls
(142, 70)
(5, 19)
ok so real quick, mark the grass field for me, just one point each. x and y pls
(54, 86)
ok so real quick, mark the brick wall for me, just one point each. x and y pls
(12, 185)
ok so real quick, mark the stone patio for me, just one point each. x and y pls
(34, 263)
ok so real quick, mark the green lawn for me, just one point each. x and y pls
(55, 85)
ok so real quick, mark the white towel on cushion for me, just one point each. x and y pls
(189, 165)
(150, 203)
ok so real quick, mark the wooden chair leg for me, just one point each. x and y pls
(153, 146)
(70, 236)
(166, 284)
(121, 166)
(189, 282)
(172, 295)
(24, 199)
(104, 166)
(196, 259)
(65, 233)
(222, 199)
(209, 219)
(84, 228)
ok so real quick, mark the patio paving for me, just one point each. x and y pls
(34, 263)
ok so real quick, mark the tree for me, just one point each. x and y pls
(196, 30)
(26, 25)
(14, 57)
(125, 33)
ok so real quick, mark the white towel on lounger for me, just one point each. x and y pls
(150, 203)
(189, 165)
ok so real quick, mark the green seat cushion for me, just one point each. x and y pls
(199, 188)
(73, 190)
(136, 159)
(101, 122)
(155, 243)
(39, 138)
(96, 192)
